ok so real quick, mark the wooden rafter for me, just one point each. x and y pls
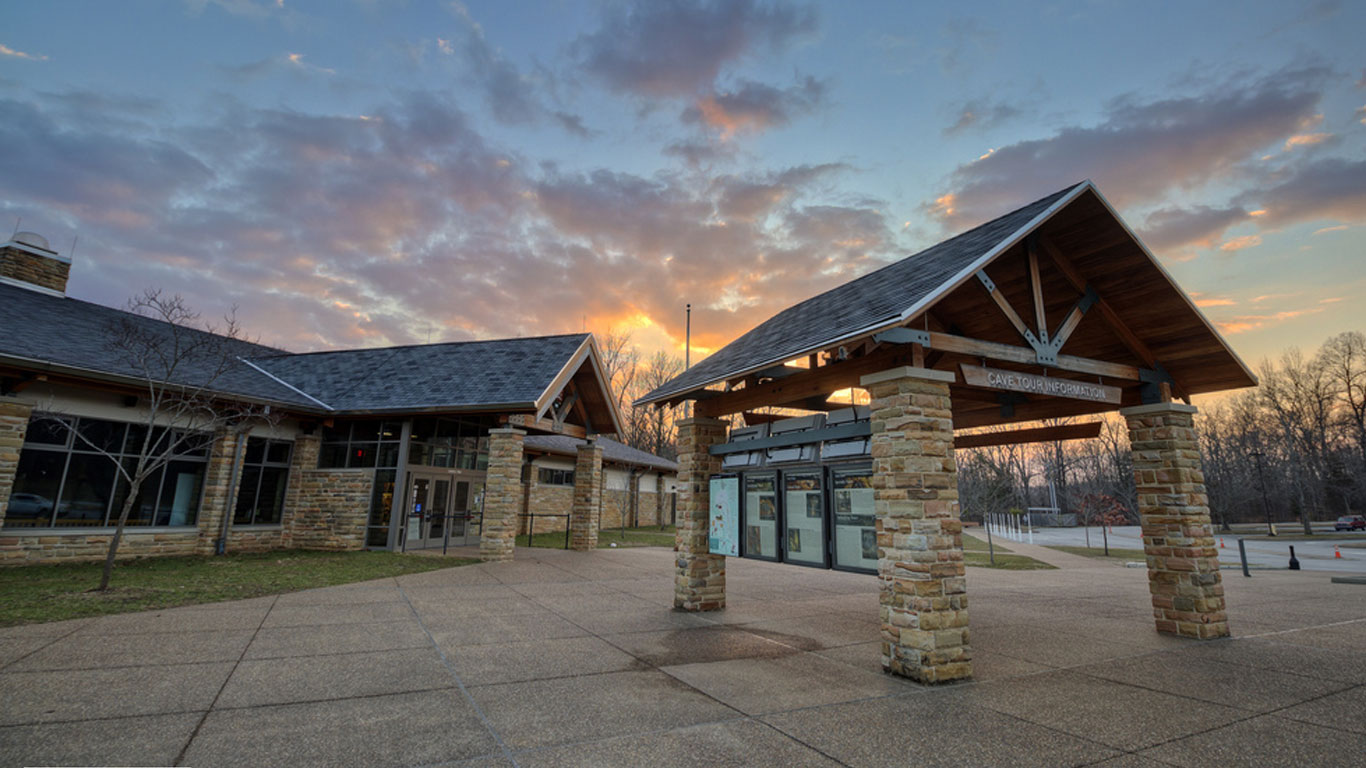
(1130, 340)
(1006, 309)
(1040, 317)
(996, 351)
(1031, 435)
(529, 421)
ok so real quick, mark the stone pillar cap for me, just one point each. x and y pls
(507, 431)
(907, 372)
(1144, 410)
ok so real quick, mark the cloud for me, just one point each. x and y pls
(1360, 114)
(1204, 302)
(1141, 149)
(700, 154)
(981, 115)
(1325, 230)
(1244, 323)
(755, 107)
(1330, 188)
(1239, 243)
(1306, 140)
(676, 48)
(5, 50)
(1172, 230)
(284, 63)
(339, 230)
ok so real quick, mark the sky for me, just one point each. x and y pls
(363, 173)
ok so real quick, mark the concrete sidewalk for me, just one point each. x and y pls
(563, 658)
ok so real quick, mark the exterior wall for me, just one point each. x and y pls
(50, 273)
(14, 416)
(1183, 563)
(332, 508)
(65, 546)
(219, 481)
(548, 501)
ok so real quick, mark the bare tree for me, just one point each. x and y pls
(180, 368)
(620, 362)
(1344, 358)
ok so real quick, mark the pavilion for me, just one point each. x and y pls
(1052, 310)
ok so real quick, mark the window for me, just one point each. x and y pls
(450, 443)
(265, 473)
(361, 444)
(547, 476)
(63, 480)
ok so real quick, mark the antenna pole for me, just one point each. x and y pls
(687, 348)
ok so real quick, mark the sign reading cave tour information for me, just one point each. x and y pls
(1033, 384)
(723, 536)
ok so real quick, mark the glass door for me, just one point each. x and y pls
(428, 510)
(440, 511)
(467, 515)
(419, 488)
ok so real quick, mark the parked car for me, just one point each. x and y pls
(1350, 523)
(28, 506)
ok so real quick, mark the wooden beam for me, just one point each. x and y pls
(528, 421)
(1006, 309)
(819, 382)
(1131, 341)
(1083, 431)
(1040, 317)
(1033, 410)
(996, 351)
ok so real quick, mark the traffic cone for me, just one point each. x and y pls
(1221, 543)
(1336, 554)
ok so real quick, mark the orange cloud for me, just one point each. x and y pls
(943, 207)
(1245, 323)
(1239, 243)
(5, 50)
(1337, 228)
(1306, 140)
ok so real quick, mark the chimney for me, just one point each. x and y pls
(28, 261)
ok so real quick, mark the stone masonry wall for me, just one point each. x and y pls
(331, 509)
(14, 416)
(1183, 562)
(218, 482)
(699, 577)
(34, 269)
(922, 588)
(502, 495)
(304, 458)
(50, 547)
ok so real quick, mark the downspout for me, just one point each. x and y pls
(221, 546)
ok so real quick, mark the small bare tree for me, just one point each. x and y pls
(180, 368)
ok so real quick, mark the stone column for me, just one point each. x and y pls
(304, 458)
(502, 494)
(14, 416)
(219, 481)
(923, 592)
(699, 577)
(1183, 562)
(583, 514)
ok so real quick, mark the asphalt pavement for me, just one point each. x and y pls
(1317, 554)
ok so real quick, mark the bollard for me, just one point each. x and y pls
(1242, 555)
(1294, 563)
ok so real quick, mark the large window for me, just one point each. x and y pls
(64, 480)
(548, 476)
(265, 474)
(450, 443)
(361, 444)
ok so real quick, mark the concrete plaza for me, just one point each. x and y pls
(567, 658)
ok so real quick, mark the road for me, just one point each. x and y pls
(1314, 555)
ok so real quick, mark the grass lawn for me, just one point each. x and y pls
(648, 536)
(975, 552)
(1115, 552)
(37, 593)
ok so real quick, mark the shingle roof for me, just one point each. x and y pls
(39, 328)
(73, 333)
(874, 299)
(611, 450)
(458, 374)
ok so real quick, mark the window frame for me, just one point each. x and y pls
(263, 464)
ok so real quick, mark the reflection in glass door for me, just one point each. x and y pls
(441, 507)
(416, 510)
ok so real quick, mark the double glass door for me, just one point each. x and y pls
(443, 508)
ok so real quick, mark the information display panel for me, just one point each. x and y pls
(724, 520)
(761, 515)
(855, 529)
(804, 534)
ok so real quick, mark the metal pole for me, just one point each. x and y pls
(1242, 555)
(991, 548)
(687, 350)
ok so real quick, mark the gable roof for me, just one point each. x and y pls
(465, 374)
(877, 299)
(612, 450)
(50, 333)
(893, 295)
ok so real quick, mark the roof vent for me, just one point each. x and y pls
(31, 238)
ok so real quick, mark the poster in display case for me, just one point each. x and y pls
(723, 536)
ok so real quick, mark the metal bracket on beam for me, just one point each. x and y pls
(903, 336)
(1153, 379)
(986, 281)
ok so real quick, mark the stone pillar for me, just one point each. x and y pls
(584, 513)
(218, 483)
(304, 458)
(14, 416)
(699, 577)
(502, 495)
(923, 592)
(1183, 562)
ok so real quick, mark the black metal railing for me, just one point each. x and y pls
(531, 527)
